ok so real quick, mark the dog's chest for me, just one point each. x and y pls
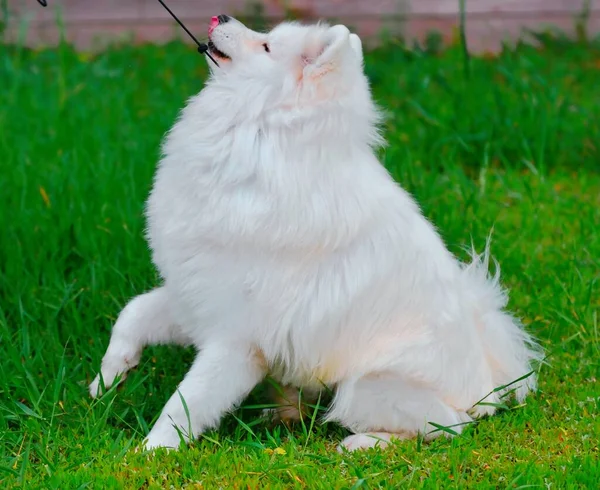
(276, 213)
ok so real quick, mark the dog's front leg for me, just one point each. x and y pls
(221, 376)
(146, 320)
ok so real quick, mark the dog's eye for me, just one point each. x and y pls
(266, 46)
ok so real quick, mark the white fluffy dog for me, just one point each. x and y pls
(287, 249)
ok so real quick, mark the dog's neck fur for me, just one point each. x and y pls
(292, 131)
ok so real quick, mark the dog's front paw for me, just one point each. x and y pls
(164, 435)
(120, 358)
(96, 389)
(109, 378)
(365, 441)
(152, 443)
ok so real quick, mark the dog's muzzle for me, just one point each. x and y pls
(214, 23)
(217, 20)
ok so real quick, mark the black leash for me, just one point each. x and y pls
(202, 47)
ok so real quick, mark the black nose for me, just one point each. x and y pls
(223, 18)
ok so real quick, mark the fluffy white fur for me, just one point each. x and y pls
(286, 248)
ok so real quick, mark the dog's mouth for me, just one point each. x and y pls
(217, 52)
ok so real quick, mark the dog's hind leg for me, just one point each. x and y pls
(146, 320)
(292, 405)
(382, 406)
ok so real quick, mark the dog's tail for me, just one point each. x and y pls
(512, 353)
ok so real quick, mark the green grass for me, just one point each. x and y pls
(514, 147)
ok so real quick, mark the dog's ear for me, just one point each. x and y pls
(331, 53)
(356, 45)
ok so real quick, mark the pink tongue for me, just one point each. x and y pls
(214, 22)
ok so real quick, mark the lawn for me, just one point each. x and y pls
(507, 142)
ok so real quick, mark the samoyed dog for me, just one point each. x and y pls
(286, 249)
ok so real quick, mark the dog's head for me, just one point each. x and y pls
(290, 68)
